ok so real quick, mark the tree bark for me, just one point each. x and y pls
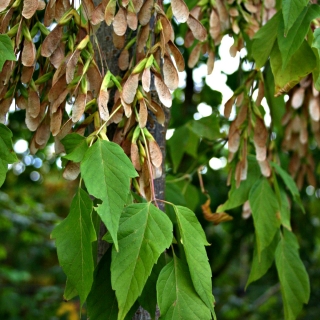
(110, 55)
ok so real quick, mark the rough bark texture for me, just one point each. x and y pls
(110, 56)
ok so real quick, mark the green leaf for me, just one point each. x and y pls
(289, 44)
(289, 182)
(183, 141)
(294, 280)
(6, 152)
(102, 302)
(260, 267)
(6, 50)
(74, 237)
(3, 171)
(207, 127)
(70, 291)
(148, 298)
(286, 78)
(177, 297)
(106, 171)
(316, 39)
(291, 10)
(264, 39)
(194, 241)
(144, 233)
(238, 196)
(285, 210)
(265, 212)
(76, 146)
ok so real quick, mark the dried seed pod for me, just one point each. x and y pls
(29, 8)
(314, 108)
(110, 12)
(298, 98)
(71, 171)
(234, 141)
(118, 41)
(145, 12)
(4, 108)
(29, 52)
(228, 107)
(42, 134)
(4, 4)
(143, 38)
(180, 10)
(178, 57)
(79, 107)
(143, 114)
(135, 157)
(137, 4)
(194, 56)
(155, 153)
(26, 75)
(260, 133)
(130, 88)
(120, 22)
(71, 65)
(146, 79)
(103, 104)
(94, 79)
(55, 123)
(132, 19)
(123, 61)
(52, 41)
(33, 107)
(170, 74)
(260, 93)
(210, 62)
(198, 30)
(215, 28)
(163, 92)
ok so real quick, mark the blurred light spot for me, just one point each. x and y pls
(18, 168)
(182, 79)
(20, 146)
(35, 176)
(230, 64)
(197, 116)
(318, 193)
(37, 163)
(217, 163)
(169, 133)
(179, 41)
(286, 98)
(28, 160)
(204, 109)
(310, 190)
(59, 163)
(204, 170)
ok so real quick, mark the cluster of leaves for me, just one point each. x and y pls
(105, 138)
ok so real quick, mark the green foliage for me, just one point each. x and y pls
(295, 286)
(75, 146)
(6, 50)
(74, 237)
(108, 182)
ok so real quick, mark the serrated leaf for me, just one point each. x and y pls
(290, 43)
(177, 297)
(106, 171)
(294, 280)
(74, 237)
(102, 302)
(3, 171)
(144, 233)
(286, 78)
(289, 182)
(238, 196)
(75, 145)
(260, 267)
(265, 212)
(264, 39)
(291, 10)
(148, 298)
(194, 241)
(6, 50)
(6, 152)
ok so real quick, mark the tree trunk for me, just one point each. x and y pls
(110, 55)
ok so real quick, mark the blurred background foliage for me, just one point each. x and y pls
(35, 197)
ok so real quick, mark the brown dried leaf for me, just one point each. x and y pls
(216, 218)
(27, 73)
(103, 104)
(146, 79)
(180, 10)
(71, 171)
(52, 41)
(28, 56)
(178, 57)
(135, 157)
(163, 92)
(215, 27)
(4, 4)
(33, 103)
(130, 88)
(145, 12)
(198, 30)
(55, 123)
(170, 74)
(210, 62)
(29, 8)
(78, 107)
(110, 12)
(194, 55)
(71, 65)
(118, 41)
(120, 22)
(123, 61)
(155, 153)
(143, 114)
